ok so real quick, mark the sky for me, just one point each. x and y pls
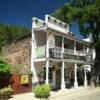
(20, 12)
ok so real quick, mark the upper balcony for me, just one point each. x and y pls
(55, 32)
(56, 52)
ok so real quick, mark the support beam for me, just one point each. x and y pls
(85, 76)
(62, 76)
(62, 69)
(62, 52)
(47, 61)
(75, 76)
(47, 72)
(47, 46)
(33, 45)
(75, 48)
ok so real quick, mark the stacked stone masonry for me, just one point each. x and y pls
(18, 55)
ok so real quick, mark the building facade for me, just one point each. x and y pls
(58, 58)
(18, 54)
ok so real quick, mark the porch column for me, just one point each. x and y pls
(33, 52)
(75, 76)
(62, 69)
(62, 52)
(75, 48)
(47, 60)
(47, 72)
(85, 76)
(62, 76)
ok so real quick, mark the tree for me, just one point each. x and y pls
(87, 14)
(9, 33)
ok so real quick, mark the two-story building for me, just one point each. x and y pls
(58, 58)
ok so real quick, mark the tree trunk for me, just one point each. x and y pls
(96, 68)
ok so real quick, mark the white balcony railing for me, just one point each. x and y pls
(68, 51)
(81, 53)
(57, 52)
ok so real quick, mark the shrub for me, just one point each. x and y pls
(7, 91)
(42, 91)
(5, 69)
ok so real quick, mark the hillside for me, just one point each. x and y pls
(9, 33)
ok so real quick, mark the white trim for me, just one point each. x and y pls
(66, 60)
(39, 59)
(75, 76)
(85, 76)
(33, 44)
(62, 76)
(47, 72)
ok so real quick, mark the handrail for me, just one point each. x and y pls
(67, 51)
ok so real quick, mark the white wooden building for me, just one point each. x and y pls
(57, 54)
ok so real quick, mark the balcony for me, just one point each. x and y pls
(76, 57)
(56, 52)
(68, 51)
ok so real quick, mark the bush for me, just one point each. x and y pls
(7, 91)
(5, 69)
(42, 91)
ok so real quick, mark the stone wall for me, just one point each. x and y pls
(18, 55)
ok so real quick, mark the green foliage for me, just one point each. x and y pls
(42, 91)
(86, 13)
(9, 33)
(64, 14)
(5, 69)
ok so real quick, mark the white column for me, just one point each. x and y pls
(75, 76)
(85, 76)
(47, 72)
(75, 48)
(54, 78)
(35, 78)
(62, 69)
(47, 60)
(33, 44)
(62, 52)
(47, 46)
(62, 76)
